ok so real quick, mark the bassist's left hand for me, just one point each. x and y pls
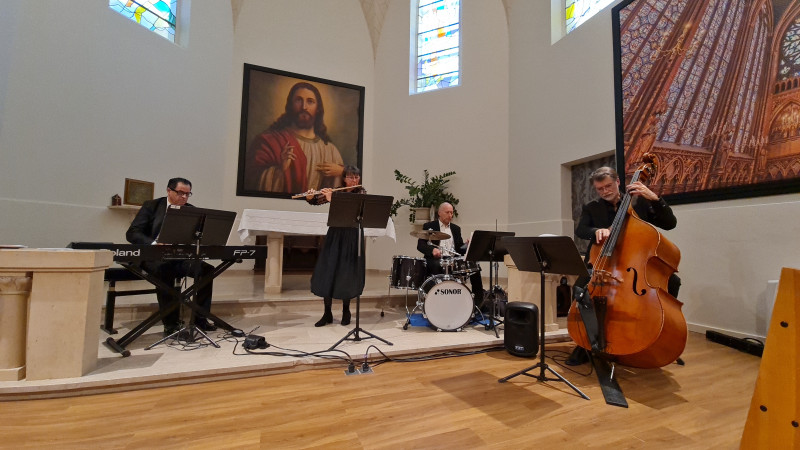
(638, 188)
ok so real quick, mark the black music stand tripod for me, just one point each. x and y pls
(486, 246)
(545, 254)
(189, 330)
(349, 210)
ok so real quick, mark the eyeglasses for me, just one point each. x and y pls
(181, 193)
(607, 187)
(352, 177)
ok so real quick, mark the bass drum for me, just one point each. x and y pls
(447, 303)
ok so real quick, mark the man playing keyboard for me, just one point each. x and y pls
(145, 229)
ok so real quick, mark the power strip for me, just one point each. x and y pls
(744, 345)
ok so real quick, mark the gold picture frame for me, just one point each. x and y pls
(137, 191)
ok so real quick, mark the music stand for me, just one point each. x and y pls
(349, 210)
(486, 246)
(545, 254)
(197, 226)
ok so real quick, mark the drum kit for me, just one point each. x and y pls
(444, 299)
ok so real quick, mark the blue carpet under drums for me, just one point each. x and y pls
(418, 320)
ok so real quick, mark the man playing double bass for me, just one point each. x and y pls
(598, 215)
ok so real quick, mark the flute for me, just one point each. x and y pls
(309, 193)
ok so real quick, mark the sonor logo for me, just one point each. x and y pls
(135, 253)
(449, 291)
(519, 348)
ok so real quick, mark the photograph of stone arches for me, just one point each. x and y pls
(712, 88)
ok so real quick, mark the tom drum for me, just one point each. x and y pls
(407, 272)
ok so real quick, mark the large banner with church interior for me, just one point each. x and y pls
(712, 88)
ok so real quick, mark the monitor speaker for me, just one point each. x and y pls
(521, 329)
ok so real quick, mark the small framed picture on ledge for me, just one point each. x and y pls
(137, 191)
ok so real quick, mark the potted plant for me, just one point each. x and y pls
(426, 195)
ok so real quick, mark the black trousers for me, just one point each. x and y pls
(170, 271)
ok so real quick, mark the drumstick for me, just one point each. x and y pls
(314, 192)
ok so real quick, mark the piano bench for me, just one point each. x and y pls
(112, 275)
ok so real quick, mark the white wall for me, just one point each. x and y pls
(90, 98)
(463, 128)
(321, 39)
(562, 110)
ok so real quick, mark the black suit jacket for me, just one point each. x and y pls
(427, 249)
(599, 214)
(147, 224)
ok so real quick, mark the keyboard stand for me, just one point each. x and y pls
(184, 297)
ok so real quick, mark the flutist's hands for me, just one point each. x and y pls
(327, 192)
(309, 194)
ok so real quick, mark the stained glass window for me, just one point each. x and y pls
(156, 15)
(579, 11)
(647, 27)
(705, 64)
(438, 41)
(790, 52)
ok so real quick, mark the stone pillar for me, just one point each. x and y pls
(273, 272)
(14, 293)
(63, 309)
(525, 287)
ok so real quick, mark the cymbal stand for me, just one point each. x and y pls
(493, 289)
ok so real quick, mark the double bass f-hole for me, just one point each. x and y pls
(635, 281)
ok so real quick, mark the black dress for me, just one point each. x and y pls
(338, 273)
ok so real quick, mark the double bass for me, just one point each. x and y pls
(639, 323)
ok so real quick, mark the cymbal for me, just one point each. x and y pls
(430, 235)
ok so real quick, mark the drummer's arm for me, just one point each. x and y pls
(426, 249)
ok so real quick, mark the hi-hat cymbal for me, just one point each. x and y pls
(430, 235)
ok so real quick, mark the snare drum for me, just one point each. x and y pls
(447, 303)
(407, 272)
(464, 268)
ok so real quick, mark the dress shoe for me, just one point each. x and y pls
(185, 335)
(169, 329)
(326, 319)
(578, 356)
(205, 325)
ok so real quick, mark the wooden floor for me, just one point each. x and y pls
(447, 403)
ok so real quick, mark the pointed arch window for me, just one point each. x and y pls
(159, 16)
(748, 87)
(436, 45)
(576, 12)
(651, 22)
(790, 52)
(701, 74)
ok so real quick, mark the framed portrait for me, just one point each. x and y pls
(712, 89)
(298, 132)
(137, 191)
